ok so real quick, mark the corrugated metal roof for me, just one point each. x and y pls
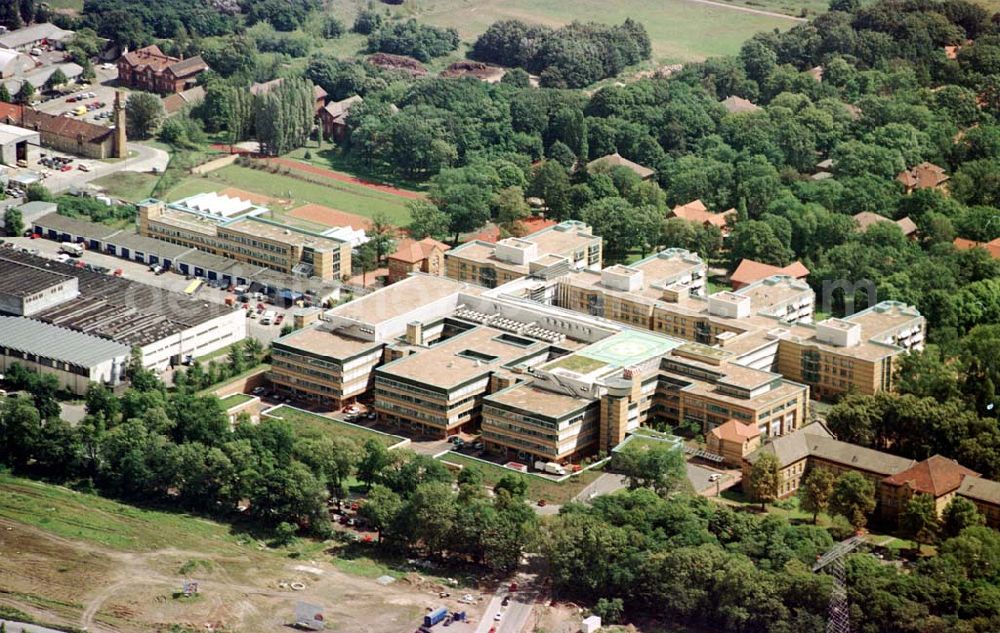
(64, 224)
(148, 245)
(61, 344)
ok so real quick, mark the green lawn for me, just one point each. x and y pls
(538, 487)
(577, 363)
(307, 423)
(75, 5)
(338, 195)
(680, 30)
(85, 517)
(128, 185)
(334, 158)
(235, 399)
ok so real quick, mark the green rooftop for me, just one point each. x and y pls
(629, 347)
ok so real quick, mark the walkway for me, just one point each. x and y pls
(771, 14)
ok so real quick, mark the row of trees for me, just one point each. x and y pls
(412, 504)
(410, 38)
(572, 56)
(687, 560)
(173, 448)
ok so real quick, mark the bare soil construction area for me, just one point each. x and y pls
(98, 584)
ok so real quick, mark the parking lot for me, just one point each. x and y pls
(168, 281)
(103, 88)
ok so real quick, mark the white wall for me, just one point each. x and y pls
(197, 341)
(107, 371)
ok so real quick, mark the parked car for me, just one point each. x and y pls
(83, 167)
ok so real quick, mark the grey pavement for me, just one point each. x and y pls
(606, 484)
(142, 158)
(72, 413)
(20, 627)
(699, 477)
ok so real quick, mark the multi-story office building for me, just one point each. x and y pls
(238, 230)
(568, 245)
(764, 325)
(855, 353)
(332, 362)
(438, 389)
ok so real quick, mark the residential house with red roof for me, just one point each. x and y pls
(734, 440)
(152, 70)
(750, 271)
(937, 477)
(992, 247)
(411, 256)
(696, 211)
(923, 176)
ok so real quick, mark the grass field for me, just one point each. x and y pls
(235, 399)
(75, 5)
(538, 487)
(344, 196)
(313, 424)
(128, 185)
(73, 515)
(680, 30)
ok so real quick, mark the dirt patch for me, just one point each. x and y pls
(479, 70)
(388, 61)
(109, 591)
(329, 217)
(340, 177)
(256, 198)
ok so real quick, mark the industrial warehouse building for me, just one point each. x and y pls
(128, 244)
(18, 143)
(27, 290)
(74, 358)
(165, 326)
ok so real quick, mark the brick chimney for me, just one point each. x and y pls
(120, 148)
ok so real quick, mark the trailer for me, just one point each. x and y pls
(435, 616)
(76, 250)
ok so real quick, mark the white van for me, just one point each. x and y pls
(268, 317)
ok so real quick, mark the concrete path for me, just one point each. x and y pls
(734, 7)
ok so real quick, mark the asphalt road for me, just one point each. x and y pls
(142, 158)
(514, 617)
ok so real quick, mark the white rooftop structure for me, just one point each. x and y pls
(34, 34)
(356, 237)
(216, 204)
(14, 134)
(14, 63)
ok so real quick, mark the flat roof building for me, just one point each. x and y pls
(236, 229)
(74, 358)
(26, 290)
(165, 326)
(567, 245)
(332, 362)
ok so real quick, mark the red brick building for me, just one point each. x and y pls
(152, 70)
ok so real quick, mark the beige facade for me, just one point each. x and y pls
(251, 240)
(568, 245)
